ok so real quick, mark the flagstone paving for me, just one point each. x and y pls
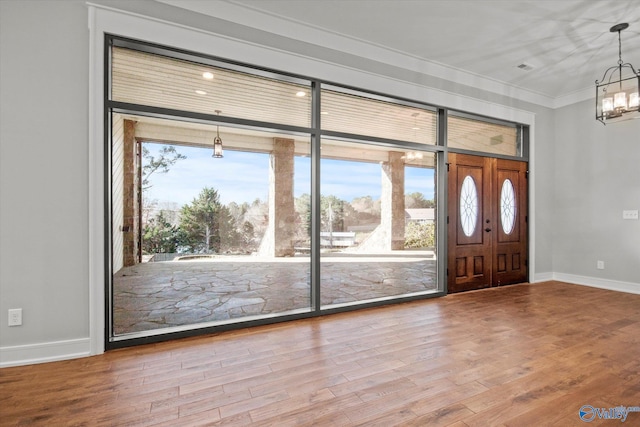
(155, 295)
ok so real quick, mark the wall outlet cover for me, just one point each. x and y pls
(15, 317)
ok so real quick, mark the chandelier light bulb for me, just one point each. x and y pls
(607, 105)
(620, 100)
(634, 102)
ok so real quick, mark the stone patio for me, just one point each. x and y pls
(156, 295)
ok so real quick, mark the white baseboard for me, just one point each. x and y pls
(542, 277)
(612, 285)
(44, 352)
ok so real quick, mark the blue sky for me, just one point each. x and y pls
(244, 177)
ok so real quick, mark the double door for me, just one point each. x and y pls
(487, 222)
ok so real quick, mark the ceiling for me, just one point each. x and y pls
(154, 79)
(566, 43)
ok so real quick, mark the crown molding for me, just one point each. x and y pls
(289, 28)
(574, 97)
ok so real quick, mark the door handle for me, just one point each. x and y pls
(487, 229)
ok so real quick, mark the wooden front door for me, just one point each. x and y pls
(487, 222)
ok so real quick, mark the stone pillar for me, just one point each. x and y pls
(130, 201)
(392, 201)
(278, 239)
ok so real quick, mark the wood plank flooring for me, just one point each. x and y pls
(522, 355)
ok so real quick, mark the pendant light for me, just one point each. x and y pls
(617, 91)
(217, 142)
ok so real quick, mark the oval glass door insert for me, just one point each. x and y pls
(507, 207)
(468, 206)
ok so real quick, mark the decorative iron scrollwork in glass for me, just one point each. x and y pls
(468, 206)
(507, 207)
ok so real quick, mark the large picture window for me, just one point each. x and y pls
(242, 196)
(199, 240)
(378, 212)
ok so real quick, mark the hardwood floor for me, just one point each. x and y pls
(520, 355)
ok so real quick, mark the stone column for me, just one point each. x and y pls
(278, 239)
(131, 196)
(392, 201)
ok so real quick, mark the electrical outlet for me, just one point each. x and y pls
(630, 214)
(15, 317)
(600, 265)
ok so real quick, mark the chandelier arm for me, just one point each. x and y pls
(609, 73)
(615, 68)
(634, 70)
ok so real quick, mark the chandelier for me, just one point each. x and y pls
(617, 91)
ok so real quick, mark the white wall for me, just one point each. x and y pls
(44, 74)
(543, 163)
(44, 158)
(596, 178)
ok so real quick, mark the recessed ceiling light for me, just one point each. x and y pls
(300, 94)
(201, 92)
(207, 75)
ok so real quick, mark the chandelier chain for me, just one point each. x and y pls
(619, 48)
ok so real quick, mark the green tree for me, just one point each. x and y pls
(202, 220)
(334, 213)
(248, 236)
(364, 204)
(416, 200)
(302, 206)
(419, 235)
(230, 234)
(257, 213)
(237, 211)
(366, 210)
(159, 236)
(167, 157)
